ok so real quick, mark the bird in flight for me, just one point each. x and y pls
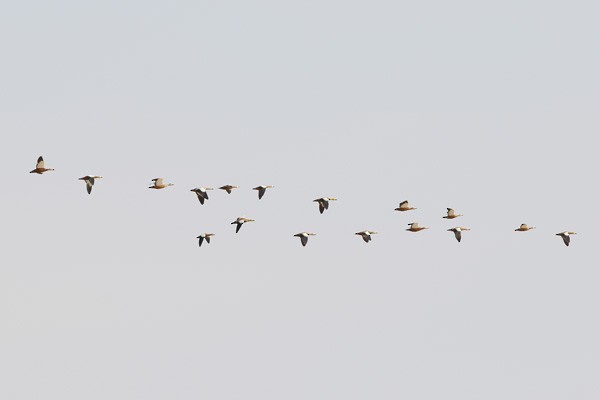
(159, 184)
(201, 193)
(524, 228)
(262, 189)
(89, 181)
(457, 232)
(451, 214)
(204, 236)
(366, 235)
(566, 236)
(324, 203)
(304, 237)
(414, 227)
(228, 188)
(40, 167)
(404, 206)
(239, 222)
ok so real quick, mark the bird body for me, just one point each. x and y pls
(524, 228)
(262, 189)
(239, 222)
(40, 167)
(324, 203)
(451, 214)
(204, 236)
(366, 235)
(304, 237)
(89, 181)
(201, 193)
(159, 184)
(228, 188)
(566, 236)
(414, 227)
(404, 206)
(457, 232)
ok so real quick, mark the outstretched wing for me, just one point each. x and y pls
(321, 207)
(89, 182)
(238, 227)
(88, 185)
(457, 235)
(200, 240)
(40, 162)
(566, 239)
(261, 192)
(304, 240)
(207, 239)
(200, 197)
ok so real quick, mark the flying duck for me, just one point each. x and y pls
(404, 206)
(228, 188)
(451, 214)
(159, 184)
(566, 236)
(204, 236)
(524, 228)
(324, 203)
(239, 222)
(304, 237)
(40, 167)
(262, 189)
(457, 232)
(414, 227)
(201, 193)
(366, 235)
(89, 182)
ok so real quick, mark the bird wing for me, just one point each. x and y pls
(158, 181)
(566, 239)
(304, 240)
(261, 192)
(404, 203)
(237, 228)
(450, 212)
(366, 238)
(207, 239)
(200, 197)
(326, 204)
(89, 182)
(457, 235)
(40, 162)
(321, 207)
(200, 240)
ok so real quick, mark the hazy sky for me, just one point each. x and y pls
(489, 108)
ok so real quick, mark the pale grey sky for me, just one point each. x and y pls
(489, 108)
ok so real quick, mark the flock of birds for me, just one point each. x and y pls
(323, 202)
